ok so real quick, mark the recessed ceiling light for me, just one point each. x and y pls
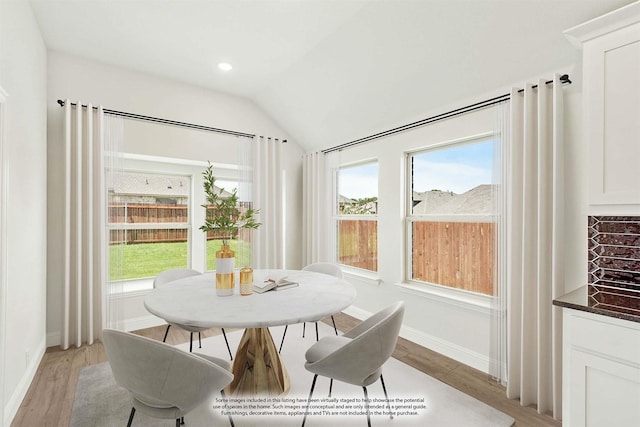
(225, 66)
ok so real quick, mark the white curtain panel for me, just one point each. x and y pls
(534, 247)
(84, 309)
(318, 207)
(268, 197)
(113, 261)
(245, 193)
(312, 190)
(498, 366)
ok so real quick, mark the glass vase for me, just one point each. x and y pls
(225, 263)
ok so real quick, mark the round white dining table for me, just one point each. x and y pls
(257, 367)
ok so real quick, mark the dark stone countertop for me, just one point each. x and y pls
(620, 303)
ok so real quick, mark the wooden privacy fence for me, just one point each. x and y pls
(460, 255)
(132, 213)
(121, 214)
(130, 236)
(358, 243)
(150, 235)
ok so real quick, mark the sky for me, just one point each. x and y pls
(457, 169)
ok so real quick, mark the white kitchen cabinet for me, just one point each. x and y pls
(601, 371)
(611, 102)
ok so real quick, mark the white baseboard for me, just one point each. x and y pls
(15, 399)
(446, 348)
(53, 338)
(142, 322)
(356, 312)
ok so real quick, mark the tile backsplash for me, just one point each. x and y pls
(614, 251)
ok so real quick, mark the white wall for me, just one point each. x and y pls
(23, 60)
(117, 89)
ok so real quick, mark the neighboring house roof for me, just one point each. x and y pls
(478, 200)
(150, 184)
(430, 200)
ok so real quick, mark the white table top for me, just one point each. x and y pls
(193, 301)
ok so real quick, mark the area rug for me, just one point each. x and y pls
(416, 398)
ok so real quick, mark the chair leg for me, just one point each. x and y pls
(334, 324)
(386, 396)
(191, 342)
(283, 335)
(224, 397)
(166, 333)
(304, 327)
(313, 384)
(228, 348)
(199, 340)
(182, 420)
(133, 412)
(177, 422)
(366, 404)
(317, 337)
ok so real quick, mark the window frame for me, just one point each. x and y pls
(157, 225)
(410, 218)
(196, 243)
(337, 217)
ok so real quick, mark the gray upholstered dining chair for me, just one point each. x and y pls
(175, 274)
(357, 356)
(164, 381)
(319, 267)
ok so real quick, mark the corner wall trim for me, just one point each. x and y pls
(3, 254)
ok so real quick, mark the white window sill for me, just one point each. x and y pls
(130, 288)
(365, 276)
(467, 300)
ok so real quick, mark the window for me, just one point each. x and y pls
(149, 224)
(357, 213)
(451, 216)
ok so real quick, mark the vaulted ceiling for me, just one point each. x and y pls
(329, 71)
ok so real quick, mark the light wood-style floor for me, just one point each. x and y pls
(50, 397)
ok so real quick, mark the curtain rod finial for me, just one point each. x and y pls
(565, 78)
(61, 102)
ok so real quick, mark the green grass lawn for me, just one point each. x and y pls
(142, 260)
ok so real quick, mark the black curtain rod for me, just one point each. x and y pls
(478, 105)
(168, 122)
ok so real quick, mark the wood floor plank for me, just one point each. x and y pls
(50, 397)
(42, 400)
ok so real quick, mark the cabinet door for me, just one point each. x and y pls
(601, 378)
(612, 107)
(605, 392)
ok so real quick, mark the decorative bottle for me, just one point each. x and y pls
(246, 281)
(225, 281)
